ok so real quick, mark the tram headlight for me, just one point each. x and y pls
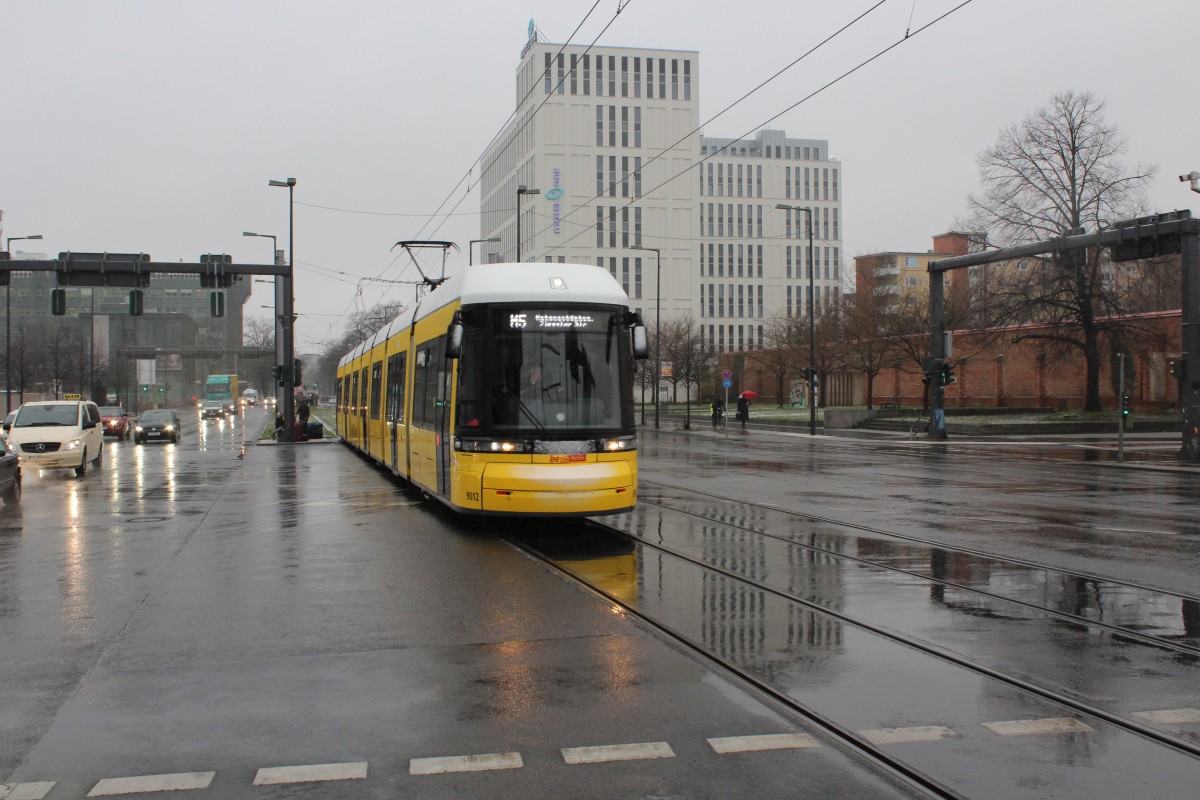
(618, 445)
(482, 445)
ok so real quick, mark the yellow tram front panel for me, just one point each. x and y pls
(561, 484)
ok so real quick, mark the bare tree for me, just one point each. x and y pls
(26, 358)
(692, 358)
(1060, 170)
(782, 355)
(865, 345)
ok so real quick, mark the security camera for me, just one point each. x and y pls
(1191, 176)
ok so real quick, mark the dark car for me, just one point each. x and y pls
(212, 409)
(115, 421)
(160, 423)
(10, 474)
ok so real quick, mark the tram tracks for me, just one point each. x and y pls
(674, 553)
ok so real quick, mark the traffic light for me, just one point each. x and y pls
(814, 378)
(1124, 409)
(58, 302)
(277, 374)
(162, 389)
(298, 367)
(136, 302)
(145, 388)
(1177, 367)
(216, 304)
(946, 374)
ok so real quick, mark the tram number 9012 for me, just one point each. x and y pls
(472, 497)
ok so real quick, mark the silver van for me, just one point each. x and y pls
(58, 434)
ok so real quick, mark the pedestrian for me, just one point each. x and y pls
(743, 410)
(304, 413)
(278, 426)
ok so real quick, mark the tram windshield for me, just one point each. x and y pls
(545, 371)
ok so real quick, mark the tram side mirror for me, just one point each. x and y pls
(641, 344)
(454, 338)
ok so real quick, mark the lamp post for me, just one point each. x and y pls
(474, 242)
(657, 323)
(812, 323)
(275, 287)
(520, 191)
(286, 316)
(8, 324)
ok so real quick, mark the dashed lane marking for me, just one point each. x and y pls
(617, 752)
(25, 791)
(476, 763)
(179, 781)
(1171, 716)
(1034, 727)
(310, 773)
(921, 733)
(770, 741)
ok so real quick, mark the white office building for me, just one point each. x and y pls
(609, 137)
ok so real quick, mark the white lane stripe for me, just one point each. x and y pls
(1033, 727)
(350, 771)
(617, 752)
(179, 781)
(1171, 716)
(920, 733)
(25, 791)
(768, 741)
(477, 763)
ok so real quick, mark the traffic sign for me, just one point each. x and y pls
(727, 383)
(726, 374)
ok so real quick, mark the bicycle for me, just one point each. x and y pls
(718, 422)
(919, 425)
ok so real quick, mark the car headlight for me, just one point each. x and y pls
(138, 428)
(169, 428)
(73, 444)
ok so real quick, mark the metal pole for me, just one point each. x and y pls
(812, 331)
(519, 193)
(287, 319)
(8, 323)
(1121, 408)
(657, 330)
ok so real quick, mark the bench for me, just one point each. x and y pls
(889, 405)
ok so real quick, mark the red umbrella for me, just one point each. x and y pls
(749, 395)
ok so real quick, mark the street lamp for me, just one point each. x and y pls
(8, 324)
(812, 323)
(286, 318)
(520, 191)
(275, 287)
(657, 323)
(471, 252)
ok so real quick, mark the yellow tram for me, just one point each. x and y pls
(507, 390)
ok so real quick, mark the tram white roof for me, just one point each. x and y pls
(512, 282)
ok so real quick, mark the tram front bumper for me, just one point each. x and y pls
(606, 487)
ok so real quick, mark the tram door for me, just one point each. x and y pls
(395, 405)
(442, 418)
(362, 408)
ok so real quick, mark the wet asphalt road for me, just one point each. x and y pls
(216, 608)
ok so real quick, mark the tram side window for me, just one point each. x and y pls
(353, 393)
(337, 402)
(472, 384)
(428, 384)
(376, 388)
(362, 396)
(395, 387)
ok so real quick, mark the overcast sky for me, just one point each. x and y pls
(154, 126)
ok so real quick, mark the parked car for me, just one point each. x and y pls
(10, 474)
(212, 409)
(59, 434)
(157, 423)
(115, 420)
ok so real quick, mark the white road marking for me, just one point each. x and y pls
(617, 752)
(1171, 716)
(920, 733)
(770, 741)
(25, 791)
(355, 770)
(176, 782)
(1033, 727)
(477, 763)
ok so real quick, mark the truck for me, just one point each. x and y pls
(223, 388)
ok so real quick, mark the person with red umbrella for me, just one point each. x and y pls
(743, 407)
